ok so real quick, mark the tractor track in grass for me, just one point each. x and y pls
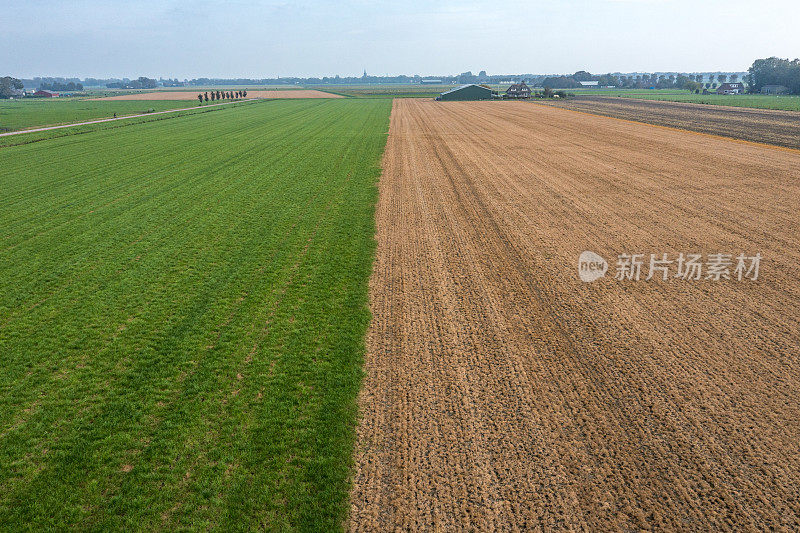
(192, 95)
(503, 393)
(183, 318)
(114, 119)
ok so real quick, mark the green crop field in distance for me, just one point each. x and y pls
(758, 101)
(36, 112)
(183, 306)
(31, 137)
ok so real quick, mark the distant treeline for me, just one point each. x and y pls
(691, 82)
(48, 83)
(141, 83)
(774, 71)
(771, 71)
(55, 84)
(60, 86)
(340, 80)
(636, 80)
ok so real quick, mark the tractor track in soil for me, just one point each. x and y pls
(768, 126)
(501, 392)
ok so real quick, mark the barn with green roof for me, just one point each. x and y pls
(467, 92)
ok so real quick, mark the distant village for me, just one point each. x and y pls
(766, 76)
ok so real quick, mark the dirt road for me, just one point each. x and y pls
(502, 393)
(781, 128)
(192, 95)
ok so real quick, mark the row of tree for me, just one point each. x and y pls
(664, 81)
(691, 82)
(222, 95)
(141, 83)
(774, 71)
(60, 86)
(559, 82)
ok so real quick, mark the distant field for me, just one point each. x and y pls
(35, 112)
(192, 95)
(769, 126)
(27, 136)
(183, 306)
(30, 113)
(390, 91)
(756, 101)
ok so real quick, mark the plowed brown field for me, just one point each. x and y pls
(190, 95)
(501, 392)
(769, 126)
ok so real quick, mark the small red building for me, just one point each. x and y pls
(45, 94)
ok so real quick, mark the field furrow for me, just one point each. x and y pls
(501, 392)
(770, 126)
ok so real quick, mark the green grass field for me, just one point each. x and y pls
(758, 101)
(183, 305)
(33, 112)
(31, 137)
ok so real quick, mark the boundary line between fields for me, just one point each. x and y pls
(112, 119)
(673, 128)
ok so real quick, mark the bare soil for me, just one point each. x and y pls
(189, 95)
(502, 393)
(781, 128)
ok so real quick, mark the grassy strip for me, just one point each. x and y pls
(182, 312)
(756, 101)
(27, 138)
(24, 114)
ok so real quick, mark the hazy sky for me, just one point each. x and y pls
(267, 38)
